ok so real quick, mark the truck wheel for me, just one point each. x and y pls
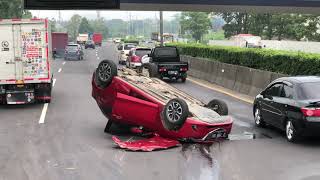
(105, 72)
(218, 106)
(149, 70)
(174, 114)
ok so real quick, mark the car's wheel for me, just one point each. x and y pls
(105, 72)
(174, 114)
(258, 120)
(149, 70)
(291, 133)
(218, 106)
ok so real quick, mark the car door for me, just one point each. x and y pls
(285, 103)
(269, 109)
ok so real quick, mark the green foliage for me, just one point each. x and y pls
(73, 26)
(272, 26)
(219, 35)
(131, 41)
(84, 26)
(13, 9)
(196, 23)
(286, 62)
(100, 26)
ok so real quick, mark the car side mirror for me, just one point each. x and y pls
(268, 97)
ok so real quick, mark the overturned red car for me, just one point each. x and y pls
(126, 97)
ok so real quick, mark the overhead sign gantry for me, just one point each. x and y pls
(306, 6)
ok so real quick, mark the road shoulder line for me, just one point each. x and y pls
(222, 90)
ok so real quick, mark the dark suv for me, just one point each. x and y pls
(90, 44)
(165, 63)
(291, 104)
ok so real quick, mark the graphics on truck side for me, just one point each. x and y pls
(25, 60)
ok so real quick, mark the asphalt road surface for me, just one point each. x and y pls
(65, 141)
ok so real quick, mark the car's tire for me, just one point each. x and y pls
(258, 120)
(291, 133)
(105, 72)
(174, 114)
(218, 106)
(149, 70)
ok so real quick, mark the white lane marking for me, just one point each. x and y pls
(54, 82)
(60, 70)
(43, 113)
(98, 57)
(63, 63)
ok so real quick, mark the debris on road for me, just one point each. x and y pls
(154, 143)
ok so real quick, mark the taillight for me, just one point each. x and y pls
(311, 112)
(184, 69)
(135, 59)
(162, 69)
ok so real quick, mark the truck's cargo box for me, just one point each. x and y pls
(25, 51)
(59, 42)
(25, 54)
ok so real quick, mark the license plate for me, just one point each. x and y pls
(172, 72)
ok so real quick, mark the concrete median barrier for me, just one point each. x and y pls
(238, 78)
(243, 80)
(226, 75)
(260, 80)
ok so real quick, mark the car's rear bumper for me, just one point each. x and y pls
(174, 75)
(72, 56)
(135, 65)
(310, 129)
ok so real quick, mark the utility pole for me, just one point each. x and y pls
(161, 28)
(98, 14)
(59, 17)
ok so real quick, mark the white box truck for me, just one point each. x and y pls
(82, 38)
(25, 55)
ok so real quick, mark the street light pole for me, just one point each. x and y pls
(161, 28)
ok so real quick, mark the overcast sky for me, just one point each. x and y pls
(125, 15)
